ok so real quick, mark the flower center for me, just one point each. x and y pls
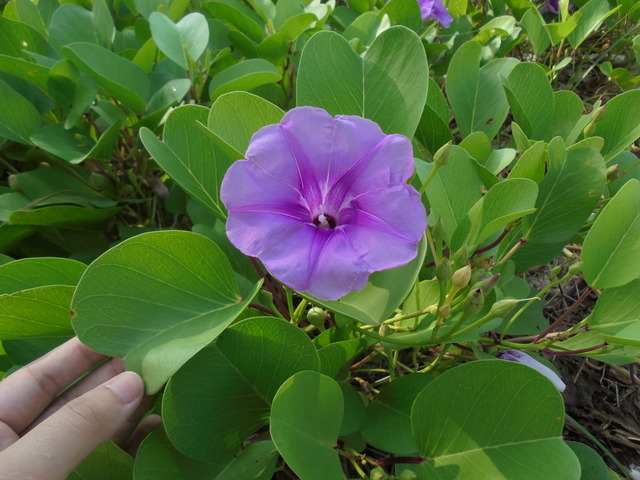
(324, 221)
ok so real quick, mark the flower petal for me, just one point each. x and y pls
(521, 357)
(319, 261)
(386, 226)
(389, 163)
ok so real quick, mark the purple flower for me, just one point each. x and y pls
(322, 201)
(552, 6)
(435, 9)
(516, 356)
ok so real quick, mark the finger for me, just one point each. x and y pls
(144, 429)
(27, 392)
(55, 447)
(127, 428)
(100, 375)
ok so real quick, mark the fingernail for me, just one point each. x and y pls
(128, 386)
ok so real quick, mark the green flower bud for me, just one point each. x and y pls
(316, 316)
(575, 269)
(462, 277)
(378, 474)
(437, 231)
(589, 129)
(474, 302)
(503, 307)
(444, 311)
(461, 256)
(486, 284)
(407, 475)
(442, 155)
(443, 270)
(555, 271)
(384, 330)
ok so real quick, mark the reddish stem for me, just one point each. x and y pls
(564, 316)
(262, 308)
(267, 283)
(574, 352)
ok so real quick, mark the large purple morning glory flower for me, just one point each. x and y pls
(521, 357)
(322, 201)
(435, 9)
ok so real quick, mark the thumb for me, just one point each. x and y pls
(57, 445)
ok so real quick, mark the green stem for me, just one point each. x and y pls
(431, 176)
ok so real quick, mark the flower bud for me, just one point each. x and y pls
(521, 357)
(437, 231)
(555, 271)
(378, 474)
(575, 269)
(384, 330)
(503, 307)
(443, 270)
(407, 475)
(444, 311)
(442, 155)
(588, 130)
(461, 256)
(316, 316)
(487, 284)
(461, 277)
(474, 302)
(613, 172)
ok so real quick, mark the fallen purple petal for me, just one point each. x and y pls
(323, 203)
(521, 357)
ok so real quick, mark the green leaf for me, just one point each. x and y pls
(64, 216)
(103, 23)
(224, 394)
(157, 458)
(476, 94)
(535, 27)
(531, 100)
(567, 111)
(120, 77)
(404, 12)
(353, 417)
(306, 442)
(531, 164)
(388, 417)
(17, 37)
(503, 203)
(568, 194)
(189, 155)
(238, 15)
(246, 75)
(592, 16)
(494, 428)
(22, 351)
(33, 73)
(189, 36)
(29, 14)
(156, 300)
(620, 124)
(38, 272)
(433, 129)
(72, 145)
(388, 85)
(608, 252)
(19, 117)
(454, 190)
(36, 312)
(107, 462)
(71, 24)
(617, 312)
(297, 25)
(236, 116)
(335, 356)
(381, 295)
(591, 463)
(171, 93)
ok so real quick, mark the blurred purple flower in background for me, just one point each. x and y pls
(521, 357)
(552, 6)
(322, 201)
(436, 9)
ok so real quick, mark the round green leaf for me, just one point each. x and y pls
(223, 394)
(19, 118)
(157, 299)
(388, 418)
(591, 463)
(245, 75)
(305, 422)
(609, 253)
(620, 124)
(158, 459)
(500, 418)
(388, 85)
(37, 272)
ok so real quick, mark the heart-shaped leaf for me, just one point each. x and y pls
(394, 71)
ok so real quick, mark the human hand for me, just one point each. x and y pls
(45, 435)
